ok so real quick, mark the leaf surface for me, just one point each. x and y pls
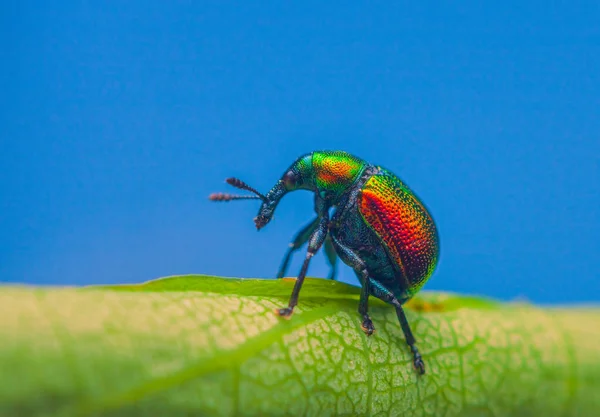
(199, 345)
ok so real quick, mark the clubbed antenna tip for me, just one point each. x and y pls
(230, 197)
(237, 183)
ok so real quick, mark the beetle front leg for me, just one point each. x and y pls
(314, 244)
(299, 240)
(331, 257)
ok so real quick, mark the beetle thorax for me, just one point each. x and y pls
(336, 171)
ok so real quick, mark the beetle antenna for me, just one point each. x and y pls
(229, 197)
(237, 183)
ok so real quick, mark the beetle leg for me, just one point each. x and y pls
(363, 304)
(299, 240)
(360, 269)
(314, 244)
(387, 296)
(410, 340)
(331, 256)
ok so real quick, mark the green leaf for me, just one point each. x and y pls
(201, 346)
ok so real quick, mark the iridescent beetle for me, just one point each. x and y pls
(379, 228)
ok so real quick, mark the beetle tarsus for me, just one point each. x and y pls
(367, 326)
(285, 312)
(419, 365)
(418, 360)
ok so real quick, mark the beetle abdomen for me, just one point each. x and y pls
(404, 226)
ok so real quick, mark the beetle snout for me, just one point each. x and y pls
(261, 221)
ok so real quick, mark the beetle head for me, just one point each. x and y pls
(265, 213)
(267, 208)
(297, 176)
(290, 181)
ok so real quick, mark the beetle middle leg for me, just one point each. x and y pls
(363, 304)
(360, 269)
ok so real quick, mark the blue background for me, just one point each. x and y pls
(118, 119)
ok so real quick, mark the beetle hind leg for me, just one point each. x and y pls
(386, 295)
(410, 340)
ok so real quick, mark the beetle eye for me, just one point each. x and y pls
(289, 180)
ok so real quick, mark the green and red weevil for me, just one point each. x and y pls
(379, 228)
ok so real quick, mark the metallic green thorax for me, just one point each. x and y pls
(335, 172)
(329, 173)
